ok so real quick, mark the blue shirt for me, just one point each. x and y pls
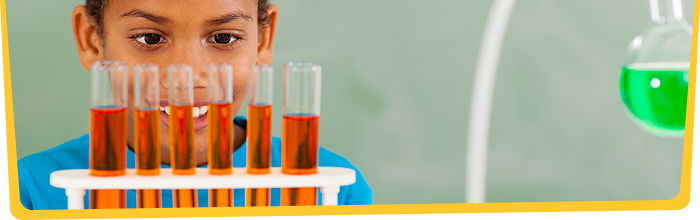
(37, 194)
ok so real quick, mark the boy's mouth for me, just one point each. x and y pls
(199, 113)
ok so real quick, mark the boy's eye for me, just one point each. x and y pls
(223, 38)
(149, 39)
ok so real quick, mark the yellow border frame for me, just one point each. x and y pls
(677, 203)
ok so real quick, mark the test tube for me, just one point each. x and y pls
(108, 130)
(182, 155)
(220, 129)
(259, 130)
(301, 109)
(147, 130)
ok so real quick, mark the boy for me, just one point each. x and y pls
(164, 32)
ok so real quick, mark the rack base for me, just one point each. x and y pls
(76, 182)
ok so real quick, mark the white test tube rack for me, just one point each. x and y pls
(76, 182)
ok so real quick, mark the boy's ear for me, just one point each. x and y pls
(86, 39)
(266, 37)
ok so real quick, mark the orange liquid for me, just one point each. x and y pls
(108, 142)
(299, 156)
(220, 197)
(107, 154)
(184, 198)
(257, 197)
(148, 198)
(147, 141)
(305, 196)
(299, 144)
(220, 136)
(147, 149)
(108, 199)
(259, 132)
(182, 155)
(182, 140)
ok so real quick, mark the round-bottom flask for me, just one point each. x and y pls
(654, 78)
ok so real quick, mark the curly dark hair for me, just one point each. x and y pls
(95, 8)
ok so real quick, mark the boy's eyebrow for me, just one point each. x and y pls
(230, 17)
(146, 15)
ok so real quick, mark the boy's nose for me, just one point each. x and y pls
(192, 54)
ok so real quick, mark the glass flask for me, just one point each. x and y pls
(654, 77)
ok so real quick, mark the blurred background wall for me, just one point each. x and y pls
(396, 93)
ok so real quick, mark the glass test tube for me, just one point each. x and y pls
(108, 130)
(220, 129)
(182, 155)
(259, 130)
(301, 109)
(147, 130)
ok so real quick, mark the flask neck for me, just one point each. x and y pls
(666, 11)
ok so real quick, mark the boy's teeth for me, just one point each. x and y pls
(195, 112)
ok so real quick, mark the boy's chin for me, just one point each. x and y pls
(200, 150)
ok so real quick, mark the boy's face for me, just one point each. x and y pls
(167, 32)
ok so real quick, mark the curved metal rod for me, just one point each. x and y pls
(482, 97)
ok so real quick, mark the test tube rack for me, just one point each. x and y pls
(77, 181)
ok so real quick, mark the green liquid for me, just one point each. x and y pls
(656, 94)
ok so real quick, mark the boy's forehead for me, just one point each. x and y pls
(182, 9)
